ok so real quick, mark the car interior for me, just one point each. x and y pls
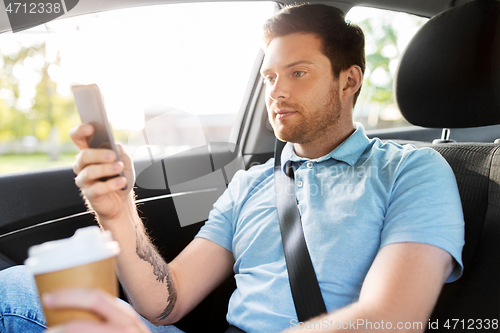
(447, 85)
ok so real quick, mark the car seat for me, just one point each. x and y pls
(449, 77)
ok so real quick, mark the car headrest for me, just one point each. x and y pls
(449, 75)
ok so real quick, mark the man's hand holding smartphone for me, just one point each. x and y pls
(105, 173)
(107, 198)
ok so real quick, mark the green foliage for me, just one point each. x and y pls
(49, 109)
(376, 92)
(386, 35)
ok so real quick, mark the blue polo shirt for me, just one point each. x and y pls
(363, 195)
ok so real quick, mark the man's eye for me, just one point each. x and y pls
(298, 73)
(269, 80)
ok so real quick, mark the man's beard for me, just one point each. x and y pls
(314, 124)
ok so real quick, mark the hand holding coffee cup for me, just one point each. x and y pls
(85, 261)
(118, 316)
(107, 198)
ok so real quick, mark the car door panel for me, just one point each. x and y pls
(46, 205)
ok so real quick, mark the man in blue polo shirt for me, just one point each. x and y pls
(383, 223)
(353, 202)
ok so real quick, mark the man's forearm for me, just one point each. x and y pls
(145, 277)
(147, 252)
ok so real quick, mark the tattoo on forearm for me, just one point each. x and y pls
(146, 252)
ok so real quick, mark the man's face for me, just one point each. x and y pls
(302, 96)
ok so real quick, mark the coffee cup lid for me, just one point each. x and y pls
(87, 245)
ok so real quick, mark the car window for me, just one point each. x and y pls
(386, 35)
(175, 73)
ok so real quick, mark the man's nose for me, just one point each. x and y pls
(280, 89)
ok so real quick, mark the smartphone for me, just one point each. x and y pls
(88, 100)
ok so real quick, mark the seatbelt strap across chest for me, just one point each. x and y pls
(304, 285)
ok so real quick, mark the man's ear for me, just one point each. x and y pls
(351, 80)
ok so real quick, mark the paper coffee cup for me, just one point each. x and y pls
(85, 260)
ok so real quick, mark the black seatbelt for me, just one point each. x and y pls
(304, 285)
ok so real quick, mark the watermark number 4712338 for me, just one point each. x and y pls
(27, 14)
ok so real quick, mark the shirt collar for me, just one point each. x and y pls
(348, 151)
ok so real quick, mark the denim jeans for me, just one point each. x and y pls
(20, 309)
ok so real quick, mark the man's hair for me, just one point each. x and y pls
(343, 43)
